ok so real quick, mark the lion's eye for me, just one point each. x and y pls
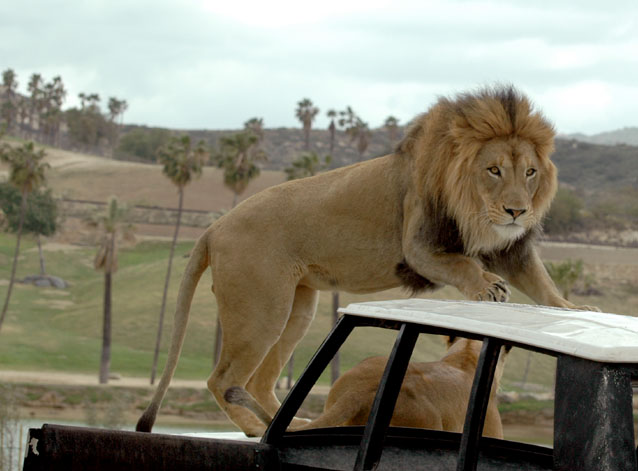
(530, 172)
(494, 170)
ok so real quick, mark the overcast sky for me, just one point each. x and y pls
(213, 64)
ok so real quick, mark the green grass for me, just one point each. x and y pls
(60, 330)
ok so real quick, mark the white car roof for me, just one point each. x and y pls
(597, 336)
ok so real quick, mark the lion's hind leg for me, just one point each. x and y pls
(262, 383)
(253, 317)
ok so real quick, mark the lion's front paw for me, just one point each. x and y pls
(495, 289)
(560, 302)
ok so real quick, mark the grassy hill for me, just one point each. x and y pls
(49, 329)
(596, 168)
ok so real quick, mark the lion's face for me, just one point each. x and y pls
(507, 173)
(486, 158)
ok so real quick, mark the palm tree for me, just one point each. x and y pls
(359, 132)
(93, 101)
(306, 113)
(9, 108)
(35, 100)
(56, 97)
(336, 359)
(256, 126)
(355, 128)
(332, 128)
(392, 126)
(26, 173)
(237, 156)
(347, 118)
(110, 223)
(307, 165)
(52, 96)
(116, 110)
(22, 117)
(182, 162)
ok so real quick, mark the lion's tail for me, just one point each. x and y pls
(196, 266)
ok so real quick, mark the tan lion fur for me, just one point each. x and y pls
(459, 203)
(433, 395)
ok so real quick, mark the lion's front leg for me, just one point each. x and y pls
(530, 276)
(454, 269)
(461, 272)
(467, 276)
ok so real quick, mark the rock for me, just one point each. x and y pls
(543, 396)
(46, 281)
(58, 282)
(508, 396)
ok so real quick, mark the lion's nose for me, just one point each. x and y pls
(514, 212)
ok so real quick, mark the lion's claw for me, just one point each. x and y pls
(588, 308)
(497, 291)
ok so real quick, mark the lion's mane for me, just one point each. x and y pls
(444, 141)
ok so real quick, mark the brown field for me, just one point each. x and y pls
(81, 176)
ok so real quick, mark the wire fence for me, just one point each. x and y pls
(145, 214)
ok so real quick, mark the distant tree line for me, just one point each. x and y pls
(142, 143)
(39, 115)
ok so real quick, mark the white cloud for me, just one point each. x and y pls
(589, 106)
(278, 13)
(213, 64)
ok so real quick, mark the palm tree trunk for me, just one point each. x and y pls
(332, 130)
(217, 349)
(42, 268)
(334, 366)
(158, 341)
(23, 207)
(105, 361)
(291, 370)
(218, 342)
(528, 362)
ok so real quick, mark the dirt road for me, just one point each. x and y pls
(78, 379)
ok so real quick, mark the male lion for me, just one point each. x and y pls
(458, 203)
(433, 395)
